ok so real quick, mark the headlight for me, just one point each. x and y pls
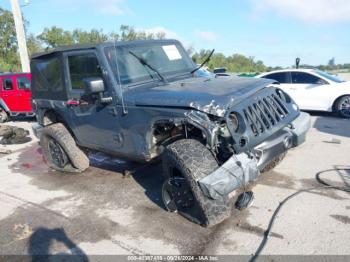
(234, 121)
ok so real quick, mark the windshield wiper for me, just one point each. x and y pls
(205, 61)
(144, 63)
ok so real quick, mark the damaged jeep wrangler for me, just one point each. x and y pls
(140, 101)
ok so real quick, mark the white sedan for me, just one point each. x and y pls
(313, 89)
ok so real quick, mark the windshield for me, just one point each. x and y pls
(329, 76)
(168, 59)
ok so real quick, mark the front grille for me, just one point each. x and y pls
(266, 113)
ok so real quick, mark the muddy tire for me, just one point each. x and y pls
(3, 116)
(274, 162)
(184, 163)
(60, 150)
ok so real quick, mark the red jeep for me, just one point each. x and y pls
(15, 95)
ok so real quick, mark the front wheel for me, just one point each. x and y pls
(342, 106)
(185, 162)
(3, 116)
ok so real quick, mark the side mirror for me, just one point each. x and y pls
(93, 85)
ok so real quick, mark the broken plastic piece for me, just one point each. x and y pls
(244, 200)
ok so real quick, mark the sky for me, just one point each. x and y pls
(274, 31)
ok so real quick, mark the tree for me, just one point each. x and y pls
(9, 59)
(55, 36)
(128, 33)
(92, 36)
(233, 63)
(34, 45)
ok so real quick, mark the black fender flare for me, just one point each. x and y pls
(4, 106)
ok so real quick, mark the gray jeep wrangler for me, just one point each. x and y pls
(140, 101)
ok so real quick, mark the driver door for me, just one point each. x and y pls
(95, 124)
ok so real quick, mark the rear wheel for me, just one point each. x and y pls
(3, 116)
(185, 162)
(61, 151)
(342, 106)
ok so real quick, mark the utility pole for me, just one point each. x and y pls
(21, 38)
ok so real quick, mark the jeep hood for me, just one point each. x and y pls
(209, 95)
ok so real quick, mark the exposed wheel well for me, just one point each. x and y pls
(51, 117)
(166, 132)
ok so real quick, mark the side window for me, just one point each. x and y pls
(23, 83)
(7, 84)
(280, 77)
(82, 66)
(305, 78)
(48, 75)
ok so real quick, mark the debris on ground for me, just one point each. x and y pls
(13, 135)
(5, 151)
(333, 141)
(27, 165)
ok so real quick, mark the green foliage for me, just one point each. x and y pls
(233, 63)
(55, 36)
(9, 59)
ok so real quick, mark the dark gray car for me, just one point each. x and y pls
(139, 101)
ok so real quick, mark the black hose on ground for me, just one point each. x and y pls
(324, 185)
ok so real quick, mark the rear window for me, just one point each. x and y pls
(280, 77)
(47, 80)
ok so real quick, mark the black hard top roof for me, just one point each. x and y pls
(104, 44)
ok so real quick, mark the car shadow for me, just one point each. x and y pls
(42, 239)
(148, 175)
(331, 124)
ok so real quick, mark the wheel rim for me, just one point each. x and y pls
(177, 194)
(58, 156)
(344, 107)
(3, 116)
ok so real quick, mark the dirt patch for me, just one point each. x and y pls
(246, 227)
(276, 179)
(331, 193)
(342, 219)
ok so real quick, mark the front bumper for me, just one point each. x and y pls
(281, 141)
(244, 167)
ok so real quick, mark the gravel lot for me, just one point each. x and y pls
(116, 208)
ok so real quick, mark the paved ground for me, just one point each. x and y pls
(109, 210)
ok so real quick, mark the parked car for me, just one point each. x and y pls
(15, 95)
(313, 89)
(139, 100)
